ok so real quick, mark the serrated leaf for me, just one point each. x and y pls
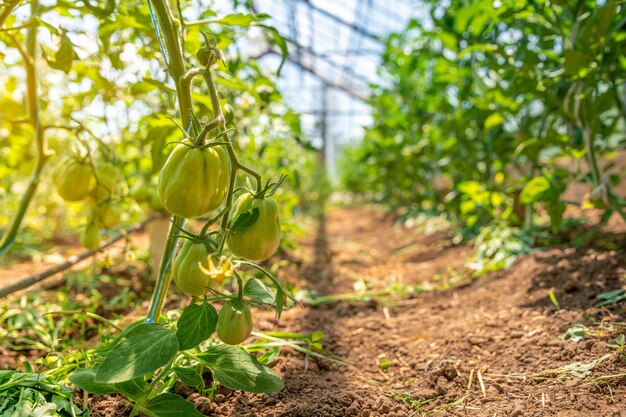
(146, 348)
(245, 220)
(236, 369)
(258, 291)
(188, 376)
(195, 325)
(170, 405)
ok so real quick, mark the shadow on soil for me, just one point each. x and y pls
(576, 275)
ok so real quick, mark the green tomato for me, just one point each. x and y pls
(154, 202)
(72, 179)
(261, 240)
(90, 237)
(193, 181)
(234, 323)
(107, 176)
(187, 274)
(140, 192)
(109, 214)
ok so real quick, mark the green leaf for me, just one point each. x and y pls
(64, 57)
(195, 325)
(146, 348)
(170, 405)
(238, 370)
(245, 220)
(575, 61)
(494, 119)
(241, 19)
(189, 376)
(533, 191)
(84, 378)
(258, 291)
(269, 355)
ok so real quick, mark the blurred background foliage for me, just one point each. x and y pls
(104, 93)
(499, 114)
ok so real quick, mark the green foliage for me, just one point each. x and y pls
(483, 106)
(118, 115)
(195, 325)
(115, 110)
(32, 394)
(237, 369)
(146, 348)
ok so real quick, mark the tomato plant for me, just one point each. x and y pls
(110, 171)
(493, 112)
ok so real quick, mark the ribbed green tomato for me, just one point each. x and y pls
(234, 323)
(187, 275)
(193, 181)
(90, 237)
(107, 178)
(260, 240)
(72, 179)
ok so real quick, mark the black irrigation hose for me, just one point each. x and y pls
(73, 260)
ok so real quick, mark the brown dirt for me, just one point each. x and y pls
(503, 325)
(501, 329)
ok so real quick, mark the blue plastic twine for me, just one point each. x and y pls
(158, 33)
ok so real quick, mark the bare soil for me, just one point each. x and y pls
(491, 347)
(503, 326)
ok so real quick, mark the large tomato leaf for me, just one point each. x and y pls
(195, 325)
(146, 348)
(236, 369)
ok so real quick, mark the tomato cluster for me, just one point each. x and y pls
(78, 179)
(195, 181)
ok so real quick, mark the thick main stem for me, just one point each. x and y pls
(177, 71)
(29, 56)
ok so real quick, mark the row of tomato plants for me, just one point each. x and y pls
(489, 111)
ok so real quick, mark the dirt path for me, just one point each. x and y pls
(435, 344)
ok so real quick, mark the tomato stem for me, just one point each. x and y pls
(177, 71)
(29, 56)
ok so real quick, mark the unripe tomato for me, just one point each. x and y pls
(72, 179)
(187, 275)
(107, 176)
(91, 236)
(154, 202)
(140, 192)
(260, 240)
(109, 214)
(193, 181)
(234, 323)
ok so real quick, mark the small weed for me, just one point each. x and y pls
(555, 302)
(619, 344)
(611, 297)
(418, 405)
(573, 370)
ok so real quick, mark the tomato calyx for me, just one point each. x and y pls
(268, 190)
(207, 240)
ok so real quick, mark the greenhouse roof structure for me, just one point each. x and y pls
(334, 54)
